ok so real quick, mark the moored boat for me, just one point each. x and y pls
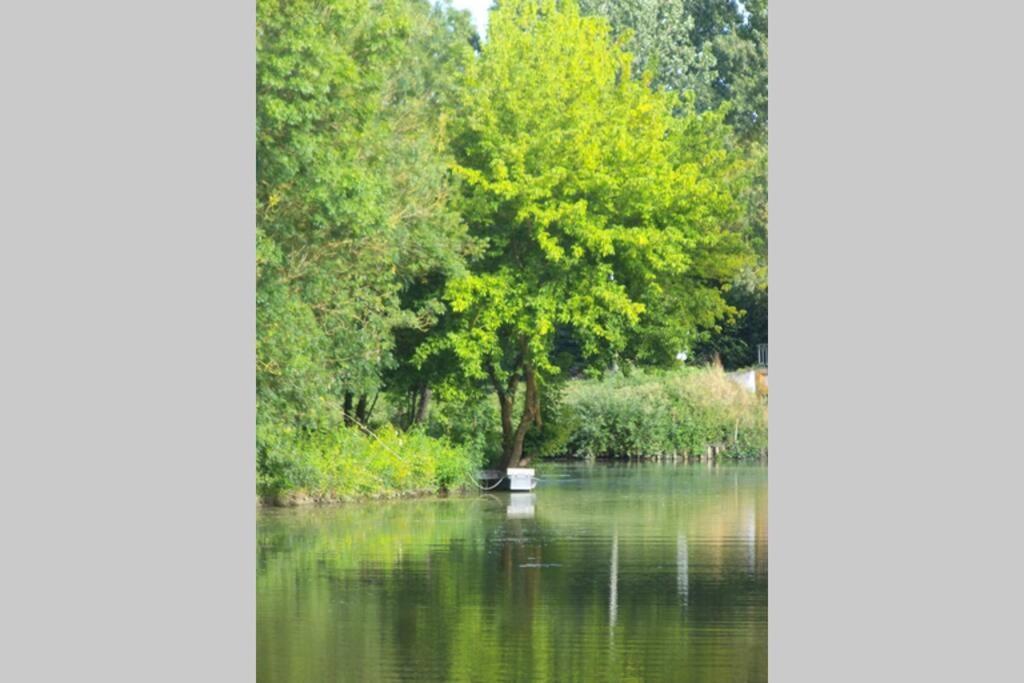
(512, 479)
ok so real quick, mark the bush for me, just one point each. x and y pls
(473, 421)
(675, 413)
(470, 421)
(348, 463)
(558, 424)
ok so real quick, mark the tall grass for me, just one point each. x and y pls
(677, 413)
(348, 463)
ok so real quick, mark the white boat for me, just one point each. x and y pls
(521, 479)
(512, 479)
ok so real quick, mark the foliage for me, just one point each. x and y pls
(345, 463)
(600, 212)
(681, 412)
(469, 419)
(735, 341)
(472, 420)
(558, 423)
(438, 219)
(292, 383)
(352, 215)
(351, 169)
(716, 49)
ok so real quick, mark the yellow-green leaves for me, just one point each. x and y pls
(590, 196)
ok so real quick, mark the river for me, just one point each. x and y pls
(622, 572)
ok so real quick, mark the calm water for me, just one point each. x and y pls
(603, 573)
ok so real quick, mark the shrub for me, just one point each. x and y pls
(681, 412)
(471, 421)
(348, 463)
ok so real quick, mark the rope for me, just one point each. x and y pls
(484, 488)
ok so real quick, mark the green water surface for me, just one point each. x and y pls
(650, 572)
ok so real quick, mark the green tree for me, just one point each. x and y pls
(660, 37)
(352, 188)
(601, 213)
(292, 383)
(718, 51)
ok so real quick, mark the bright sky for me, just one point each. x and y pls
(478, 8)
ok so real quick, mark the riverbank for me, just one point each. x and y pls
(686, 414)
(349, 464)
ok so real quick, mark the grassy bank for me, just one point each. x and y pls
(644, 414)
(348, 464)
(677, 413)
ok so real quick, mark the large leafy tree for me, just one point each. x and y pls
(352, 191)
(602, 215)
(716, 50)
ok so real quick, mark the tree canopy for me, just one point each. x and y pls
(717, 51)
(601, 213)
(582, 188)
(352, 188)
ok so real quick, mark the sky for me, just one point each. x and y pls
(478, 8)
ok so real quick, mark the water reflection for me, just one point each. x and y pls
(603, 573)
(682, 569)
(613, 587)
(521, 505)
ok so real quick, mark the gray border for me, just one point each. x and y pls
(127, 293)
(127, 300)
(895, 153)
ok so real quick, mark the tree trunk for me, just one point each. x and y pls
(505, 401)
(424, 406)
(373, 403)
(411, 412)
(347, 407)
(513, 436)
(361, 409)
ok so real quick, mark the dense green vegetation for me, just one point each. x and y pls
(647, 413)
(716, 51)
(665, 414)
(602, 214)
(449, 228)
(342, 464)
